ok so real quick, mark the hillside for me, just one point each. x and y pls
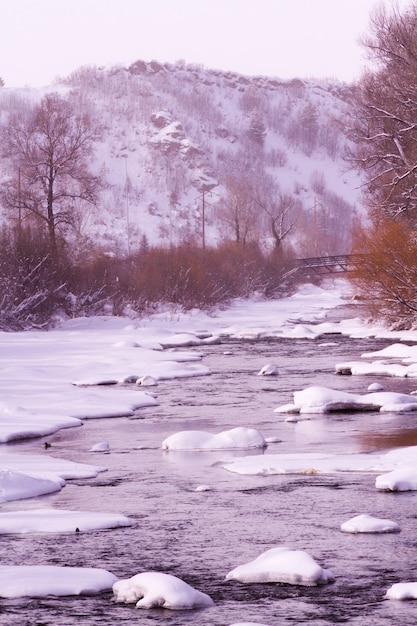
(174, 136)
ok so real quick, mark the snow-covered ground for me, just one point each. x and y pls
(96, 367)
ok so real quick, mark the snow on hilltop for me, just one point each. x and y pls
(170, 131)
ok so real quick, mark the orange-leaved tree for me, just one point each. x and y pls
(386, 277)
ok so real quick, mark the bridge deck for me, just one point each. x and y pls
(334, 264)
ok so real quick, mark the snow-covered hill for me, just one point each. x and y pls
(172, 134)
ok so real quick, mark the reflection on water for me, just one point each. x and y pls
(201, 535)
(401, 438)
(193, 459)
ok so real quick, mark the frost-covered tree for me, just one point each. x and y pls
(49, 149)
(386, 136)
(385, 112)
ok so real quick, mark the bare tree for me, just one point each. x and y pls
(238, 211)
(385, 113)
(278, 207)
(49, 148)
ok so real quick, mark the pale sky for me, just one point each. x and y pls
(42, 39)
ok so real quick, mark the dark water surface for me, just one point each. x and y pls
(200, 536)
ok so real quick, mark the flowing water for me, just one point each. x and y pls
(200, 536)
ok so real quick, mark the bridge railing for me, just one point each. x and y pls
(331, 264)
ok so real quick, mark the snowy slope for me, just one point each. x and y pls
(168, 132)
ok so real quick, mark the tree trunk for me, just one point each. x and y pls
(53, 249)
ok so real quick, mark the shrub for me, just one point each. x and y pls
(192, 277)
(387, 276)
(30, 284)
(34, 287)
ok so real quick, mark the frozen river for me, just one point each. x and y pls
(200, 535)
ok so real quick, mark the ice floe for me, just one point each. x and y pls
(398, 360)
(241, 438)
(365, 523)
(316, 399)
(18, 486)
(401, 462)
(395, 351)
(402, 591)
(39, 581)
(156, 589)
(381, 368)
(282, 565)
(402, 479)
(29, 475)
(58, 521)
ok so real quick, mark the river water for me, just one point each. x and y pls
(200, 536)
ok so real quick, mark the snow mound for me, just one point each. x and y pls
(401, 479)
(156, 589)
(316, 399)
(240, 437)
(367, 524)
(402, 591)
(269, 370)
(375, 387)
(102, 446)
(282, 565)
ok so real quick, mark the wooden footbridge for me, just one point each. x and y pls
(322, 265)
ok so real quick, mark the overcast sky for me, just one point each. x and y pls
(42, 39)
